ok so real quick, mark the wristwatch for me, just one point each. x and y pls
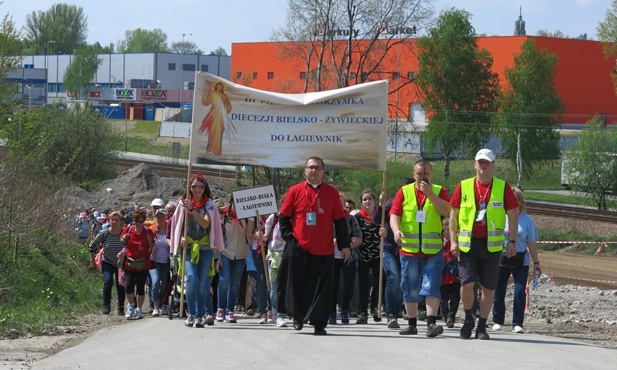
(512, 241)
(536, 263)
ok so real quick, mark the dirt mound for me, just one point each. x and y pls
(135, 187)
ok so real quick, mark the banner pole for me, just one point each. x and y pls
(383, 219)
(186, 228)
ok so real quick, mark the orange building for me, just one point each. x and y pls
(583, 79)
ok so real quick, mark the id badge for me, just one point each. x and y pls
(481, 214)
(420, 216)
(311, 219)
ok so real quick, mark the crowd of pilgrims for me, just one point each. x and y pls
(237, 280)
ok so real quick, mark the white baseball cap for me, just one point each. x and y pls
(485, 154)
(158, 202)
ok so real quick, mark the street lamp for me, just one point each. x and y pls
(29, 96)
(114, 77)
(182, 74)
(46, 71)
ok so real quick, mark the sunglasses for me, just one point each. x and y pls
(314, 168)
(197, 187)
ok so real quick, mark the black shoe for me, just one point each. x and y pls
(106, 310)
(319, 330)
(376, 315)
(482, 334)
(362, 320)
(392, 323)
(468, 326)
(120, 311)
(434, 330)
(450, 322)
(298, 325)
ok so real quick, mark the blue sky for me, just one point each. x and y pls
(223, 22)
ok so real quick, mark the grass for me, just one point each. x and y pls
(45, 284)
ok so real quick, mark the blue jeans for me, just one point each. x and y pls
(421, 277)
(229, 282)
(196, 281)
(159, 276)
(109, 271)
(519, 274)
(274, 289)
(262, 289)
(393, 292)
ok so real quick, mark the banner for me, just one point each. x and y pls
(259, 199)
(238, 125)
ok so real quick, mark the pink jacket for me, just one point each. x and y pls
(216, 233)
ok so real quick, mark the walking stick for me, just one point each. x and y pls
(383, 219)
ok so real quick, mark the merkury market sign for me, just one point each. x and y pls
(382, 28)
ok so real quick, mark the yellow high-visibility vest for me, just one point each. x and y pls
(429, 241)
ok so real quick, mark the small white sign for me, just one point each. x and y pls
(260, 199)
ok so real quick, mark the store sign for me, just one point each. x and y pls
(125, 94)
(153, 94)
(95, 94)
(381, 27)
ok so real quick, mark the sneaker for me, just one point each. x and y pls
(422, 315)
(230, 318)
(280, 322)
(130, 312)
(434, 330)
(496, 327)
(165, 310)
(190, 320)
(269, 319)
(262, 319)
(393, 323)
(518, 329)
(120, 311)
(376, 315)
(332, 319)
(106, 310)
(156, 312)
(450, 322)
(138, 314)
(250, 312)
(468, 326)
(209, 320)
(344, 317)
(363, 320)
(220, 315)
(482, 334)
(409, 330)
(199, 322)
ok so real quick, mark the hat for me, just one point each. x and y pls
(485, 154)
(160, 211)
(130, 209)
(99, 219)
(96, 214)
(84, 215)
(158, 202)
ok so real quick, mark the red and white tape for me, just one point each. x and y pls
(571, 242)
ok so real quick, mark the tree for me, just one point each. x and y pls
(219, 51)
(591, 164)
(80, 72)
(185, 47)
(529, 109)
(64, 24)
(345, 42)
(10, 47)
(143, 41)
(75, 145)
(460, 88)
(607, 34)
(557, 34)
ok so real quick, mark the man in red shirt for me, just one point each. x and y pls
(306, 217)
(415, 219)
(477, 223)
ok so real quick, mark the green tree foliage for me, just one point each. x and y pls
(80, 72)
(74, 145)
(10, 46)
(219, 51)
(143, 41)
(591, 164)
(531, 108)
(64, 24)
(459, 85)
(607, 34)
(185, 47)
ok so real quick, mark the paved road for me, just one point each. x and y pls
(162, 343)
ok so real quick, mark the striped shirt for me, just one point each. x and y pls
(111, 244)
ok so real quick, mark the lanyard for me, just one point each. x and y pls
(483, 198)
(419, 195)
(312, 203)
